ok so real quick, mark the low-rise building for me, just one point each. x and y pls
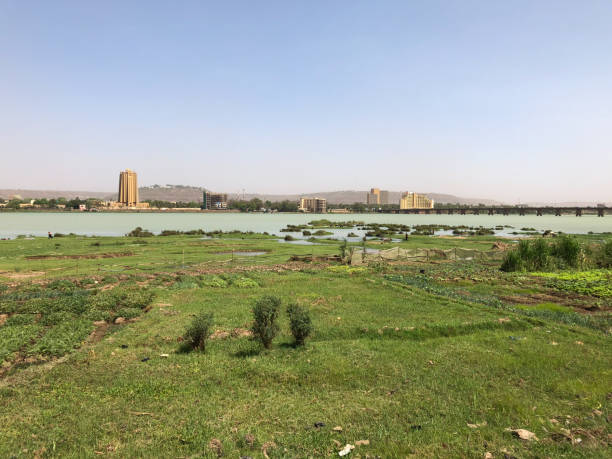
(410, 200)
(339, 211)
(313, 205)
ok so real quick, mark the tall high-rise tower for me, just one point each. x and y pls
(128, 188)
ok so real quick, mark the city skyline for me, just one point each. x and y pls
(505, 101)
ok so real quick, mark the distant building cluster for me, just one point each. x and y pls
(313, 205)
(214, 201)
(377, 197)
(410, 200)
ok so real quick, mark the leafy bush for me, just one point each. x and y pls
(213, 281)
(198, 331)
(139, 232)
(245, 282)
(265, 313)
(299, 322)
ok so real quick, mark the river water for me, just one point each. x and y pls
(117, 224)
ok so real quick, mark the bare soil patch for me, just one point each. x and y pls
(81, 256)
(17, 276)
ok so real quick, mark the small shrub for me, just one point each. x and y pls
(265, 313)
(139, 232)
(213, 281)
(289, 237)
(245, 282)
(299, 322)
(197, 333)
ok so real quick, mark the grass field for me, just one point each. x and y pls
(419, 359)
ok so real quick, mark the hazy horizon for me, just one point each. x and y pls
(510, 101)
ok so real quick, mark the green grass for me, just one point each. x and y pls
(402, 359)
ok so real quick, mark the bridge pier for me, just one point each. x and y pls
(522, 212)
(557, 212)
(476, 212)
(491, 212)
(600, 212)
(439, 211)
(578, 212)
(462, 211)
(506, 212)
(450, 212)
(539, 212)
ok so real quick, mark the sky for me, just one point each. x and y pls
(507, 100)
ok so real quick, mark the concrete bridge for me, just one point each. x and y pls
(508, 210)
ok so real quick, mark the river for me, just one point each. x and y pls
(117, 224)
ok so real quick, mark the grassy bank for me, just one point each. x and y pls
(420, 359)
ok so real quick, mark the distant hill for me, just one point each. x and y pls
(191, 193)
(48, 194)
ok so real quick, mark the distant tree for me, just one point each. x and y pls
(358, 207)
(14, 204)
(75, 203)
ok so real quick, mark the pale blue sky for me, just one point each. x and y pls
(502, 99)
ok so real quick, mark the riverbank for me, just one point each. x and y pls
(93, 363)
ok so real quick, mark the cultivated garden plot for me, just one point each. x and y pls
(159, 350)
